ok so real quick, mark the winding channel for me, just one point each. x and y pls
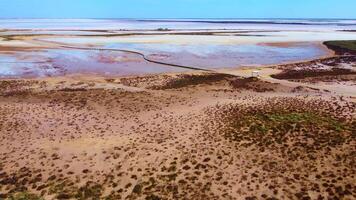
(66, 46)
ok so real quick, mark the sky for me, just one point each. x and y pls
(344, 9)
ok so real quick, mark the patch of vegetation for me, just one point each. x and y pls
(73, 89)
(285, 126)
(270, 129)
(89, 191)
(342, 47)
(302, 74)
(162, 29)
(7, 37)
(152, 197)
(63, 190)
(24, 196)
(252, 83)
(191, 80)
(137, 189)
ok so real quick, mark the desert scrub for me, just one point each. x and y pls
(90, 191)
(186, 80)
(252, 83)
(152, 197)
(301, 129)
(24, 196)
(284, 125)
(302, 74)
(67, 190)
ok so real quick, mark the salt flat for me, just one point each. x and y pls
(202, 44)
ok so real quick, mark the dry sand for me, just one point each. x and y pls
(195, 135)
(289, 134)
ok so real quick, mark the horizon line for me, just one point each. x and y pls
(148, 18)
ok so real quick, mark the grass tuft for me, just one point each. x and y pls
(24, 196)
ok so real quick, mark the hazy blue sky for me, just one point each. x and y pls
(178, 9)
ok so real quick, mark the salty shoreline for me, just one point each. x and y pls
(160, 63)
(175, 135)
(125, 52)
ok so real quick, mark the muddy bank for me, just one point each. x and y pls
(342, 47)
(334, 67)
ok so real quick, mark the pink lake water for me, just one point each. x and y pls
(55, 62)
(202, 51)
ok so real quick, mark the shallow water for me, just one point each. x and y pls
(116, 24)
(63, 62)
(60, 62)
(223, 50)
(225, 39)
(225, 56)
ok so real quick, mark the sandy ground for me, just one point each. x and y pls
(193, 135)
(289, 134)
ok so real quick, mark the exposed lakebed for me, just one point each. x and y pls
(194, 44)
